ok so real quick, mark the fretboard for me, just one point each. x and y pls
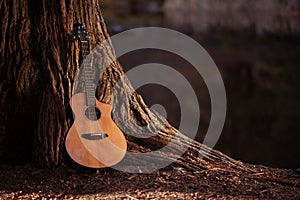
(88, 74)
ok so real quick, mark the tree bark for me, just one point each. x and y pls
(39, 63)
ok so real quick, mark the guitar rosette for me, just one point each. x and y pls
(170, 78)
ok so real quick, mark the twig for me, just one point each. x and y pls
(131, 197)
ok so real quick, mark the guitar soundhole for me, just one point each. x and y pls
(92, 113)
(94, 136)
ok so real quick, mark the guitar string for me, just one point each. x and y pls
(91, 93)
(89, 85)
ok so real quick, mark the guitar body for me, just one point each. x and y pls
(95, 143)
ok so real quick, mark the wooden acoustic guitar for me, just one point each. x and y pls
(94, 140)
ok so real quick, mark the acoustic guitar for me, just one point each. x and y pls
(94, 140)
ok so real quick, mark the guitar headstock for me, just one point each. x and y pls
(80, 33)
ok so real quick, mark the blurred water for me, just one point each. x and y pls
(256, 46)
(268, 16)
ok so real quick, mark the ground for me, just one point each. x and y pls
(173, 182)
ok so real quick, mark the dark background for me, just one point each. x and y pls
(255, 45)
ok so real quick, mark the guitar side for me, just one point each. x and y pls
(94, 152)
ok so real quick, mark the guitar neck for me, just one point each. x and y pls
(88, 73)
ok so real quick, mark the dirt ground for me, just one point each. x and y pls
(173, 182)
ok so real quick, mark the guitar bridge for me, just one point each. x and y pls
(94, 136)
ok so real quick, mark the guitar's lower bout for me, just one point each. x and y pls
(95, 144)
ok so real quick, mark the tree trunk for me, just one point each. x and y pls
(39, 62)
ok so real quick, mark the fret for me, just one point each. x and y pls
(91, 90)
(88, 69)
(89, 83)
(89, 78)
(90, 86)
(90, 93)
